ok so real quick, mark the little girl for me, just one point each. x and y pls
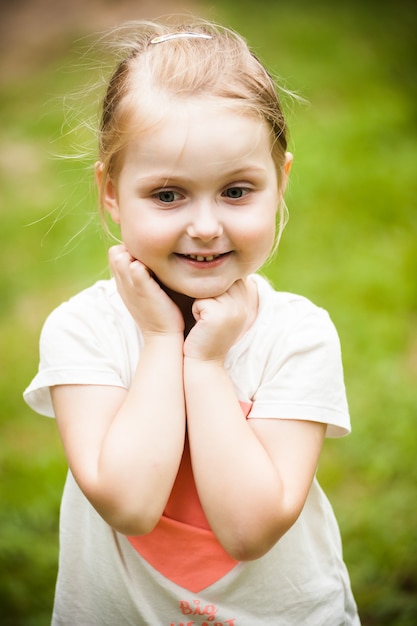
(192, 398)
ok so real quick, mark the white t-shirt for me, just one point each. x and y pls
(288, 365)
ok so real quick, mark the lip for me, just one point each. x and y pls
(204, 260)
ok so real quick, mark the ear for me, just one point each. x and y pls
(289, 158)
(107, 192)
(285, 172)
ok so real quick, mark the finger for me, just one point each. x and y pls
(119, 258)
(139, 273)
(238, 288)
(196, 309)
(119, 248)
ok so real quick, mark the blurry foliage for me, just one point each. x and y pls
(350, 246)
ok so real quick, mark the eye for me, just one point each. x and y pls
(167, 196)
(235, 193)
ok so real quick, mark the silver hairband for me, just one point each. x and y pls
(162, 38)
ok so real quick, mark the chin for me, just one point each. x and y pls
(206, 291)
(200, 290)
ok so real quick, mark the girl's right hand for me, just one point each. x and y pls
(151, 308)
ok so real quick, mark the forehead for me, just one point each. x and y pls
(207, 131)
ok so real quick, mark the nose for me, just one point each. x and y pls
(205, 223)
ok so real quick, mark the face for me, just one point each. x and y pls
(196, 198)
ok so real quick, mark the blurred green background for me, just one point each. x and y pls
(350, 246)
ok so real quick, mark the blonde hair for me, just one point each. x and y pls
(221, 67)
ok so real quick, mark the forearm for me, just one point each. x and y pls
(142, 448)
(239, 487)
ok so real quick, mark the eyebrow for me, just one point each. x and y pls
(241, 171)
(160, 180)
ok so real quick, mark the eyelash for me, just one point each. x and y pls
(244, 191)
(165, 192)
(177, 196)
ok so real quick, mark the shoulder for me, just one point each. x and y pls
(92, 325)
(288, 328)
(297, 371)
(101, 296)
(283, 314)
(95, 308)
(89, 339)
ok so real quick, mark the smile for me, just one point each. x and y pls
(205, 258)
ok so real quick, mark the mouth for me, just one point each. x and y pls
(204, 258)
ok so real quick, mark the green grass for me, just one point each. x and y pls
(350, 246)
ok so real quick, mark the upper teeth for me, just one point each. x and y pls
(198, 257)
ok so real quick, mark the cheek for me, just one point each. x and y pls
(259, 234)
(146, 239)
(267, 242)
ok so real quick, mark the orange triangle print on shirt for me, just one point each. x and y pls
(182, 547)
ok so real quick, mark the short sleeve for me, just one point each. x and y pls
(81, 342)
(303, 375)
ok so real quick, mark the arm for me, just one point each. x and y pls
(252, 476)
(124, 447)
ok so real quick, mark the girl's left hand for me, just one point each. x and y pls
(220, 321)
